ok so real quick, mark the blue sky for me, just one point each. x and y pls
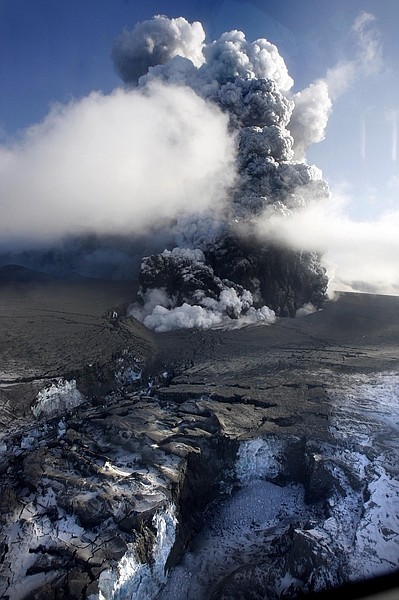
(52, 51)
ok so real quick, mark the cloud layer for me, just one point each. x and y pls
(117, 163)
(359, 255)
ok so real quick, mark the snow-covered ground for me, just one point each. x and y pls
(57, 399)
(132, 579)
(360, 524)
(366, 423)
(235, 530)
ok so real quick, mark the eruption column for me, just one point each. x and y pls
(221, 272)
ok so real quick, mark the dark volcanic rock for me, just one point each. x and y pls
(300, 553)
(132, 477)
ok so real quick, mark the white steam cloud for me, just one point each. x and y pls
(233, 308)
(359, 255)
(314, 104)
(117, 163)
(310, 117)
(159, 316)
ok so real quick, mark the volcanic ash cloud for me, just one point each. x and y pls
(221, 270)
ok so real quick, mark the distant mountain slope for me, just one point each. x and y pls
(13, 273)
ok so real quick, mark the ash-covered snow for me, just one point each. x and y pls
(259, 458)
(59, 514)
(128, 375)
(356, 529)
(235, 528)
(133, 579)
(351, 531)
(366, 422)
(29, 529)
(57, 399)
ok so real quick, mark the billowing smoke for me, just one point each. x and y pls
(155, 42)
(359, 255)
(313, 105)
(193, 296)
(263, 251)
(219, 271)
(310, 117)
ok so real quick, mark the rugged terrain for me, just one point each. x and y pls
(276, 444)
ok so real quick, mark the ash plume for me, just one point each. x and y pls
(220, 272)
(313, 105)
(154, 42)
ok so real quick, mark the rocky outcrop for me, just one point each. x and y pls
(81, 493)
(87, 493)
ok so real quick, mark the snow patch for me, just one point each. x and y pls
(57, 399)
(259, 458)
(128, 376)
(235, 530)
(366, 420)
(27, 529)
(132, 579)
